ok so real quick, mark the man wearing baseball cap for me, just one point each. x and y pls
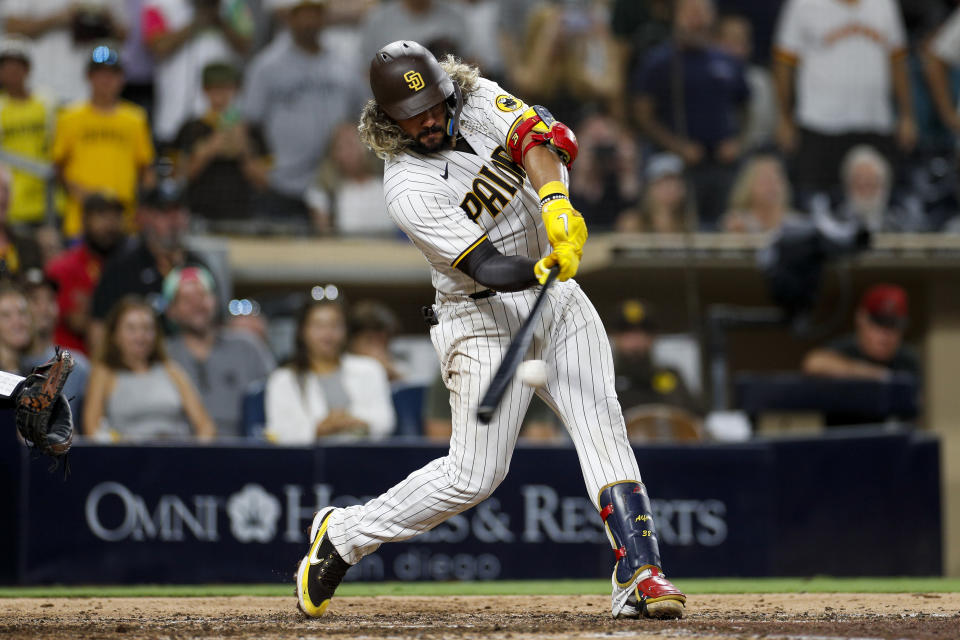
(142, 265)
(25, 130)
(76, 271)
(640, 381)
(184, 36)
(102, 144)
(42, 293)
(61, 34)
(875, 351)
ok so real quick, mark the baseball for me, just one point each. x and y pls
(533, 373)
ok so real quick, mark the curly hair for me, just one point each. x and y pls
(384, 136)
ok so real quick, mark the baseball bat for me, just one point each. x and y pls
(514, 356)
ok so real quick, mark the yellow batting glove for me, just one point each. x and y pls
(542, 269)
(562, 222)
(566, 256)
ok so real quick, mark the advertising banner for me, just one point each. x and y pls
(240, 514)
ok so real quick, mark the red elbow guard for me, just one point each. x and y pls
(564, 141)
(558, 135)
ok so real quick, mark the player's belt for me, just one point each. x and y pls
(480, 295)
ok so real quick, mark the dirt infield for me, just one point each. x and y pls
(919, 616)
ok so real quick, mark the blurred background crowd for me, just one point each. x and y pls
(127, 128)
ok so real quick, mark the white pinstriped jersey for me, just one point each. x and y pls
(447, 201)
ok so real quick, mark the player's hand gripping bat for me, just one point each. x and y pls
(514, 355)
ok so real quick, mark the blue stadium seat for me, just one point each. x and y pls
(253, 411)
(408, 404)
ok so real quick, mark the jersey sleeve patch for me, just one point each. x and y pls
(507, 103)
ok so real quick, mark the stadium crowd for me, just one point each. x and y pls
(125, 127)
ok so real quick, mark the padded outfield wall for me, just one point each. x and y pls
(866, 504)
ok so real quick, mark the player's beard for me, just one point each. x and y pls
(422, 144)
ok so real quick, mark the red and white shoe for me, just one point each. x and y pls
(648, 595)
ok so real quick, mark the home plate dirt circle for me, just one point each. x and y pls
(805, 616)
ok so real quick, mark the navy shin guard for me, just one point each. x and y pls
(625, 509)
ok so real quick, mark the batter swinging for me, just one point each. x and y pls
(476, 179)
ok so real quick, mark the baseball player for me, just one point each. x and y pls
(477, 180)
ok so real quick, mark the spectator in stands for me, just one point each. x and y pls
(483, 45)
(63, 32)
(867, 179)
(277, 11)
(638, 27)
(343, 32)
(77, 271)
(221, 364)
(348, 192)
(25, 131)
(184, 36)
(607, 179)
(102, 144)
(688, 98)
(41, 293)
(921, 18)
(439, 26)
(539, 424)
(639, 380)
(370, 328)
(225, 161)
(136, 393)
(875, 351)
(48, 239)
(18, 252)
(143, 264)
(842, 61)
(570, 61)
(512, 25)
(323, 391)
(943, 52)
(298, 91)
(735, 36)
(15, 334)
(665, 203)
(138, 61)
(760, 198)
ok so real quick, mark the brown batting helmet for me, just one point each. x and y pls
(407, 80)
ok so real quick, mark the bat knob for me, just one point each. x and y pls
(485, 414)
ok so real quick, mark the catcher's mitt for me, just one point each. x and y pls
(43, 415)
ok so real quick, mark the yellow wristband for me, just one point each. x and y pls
(553, 187)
